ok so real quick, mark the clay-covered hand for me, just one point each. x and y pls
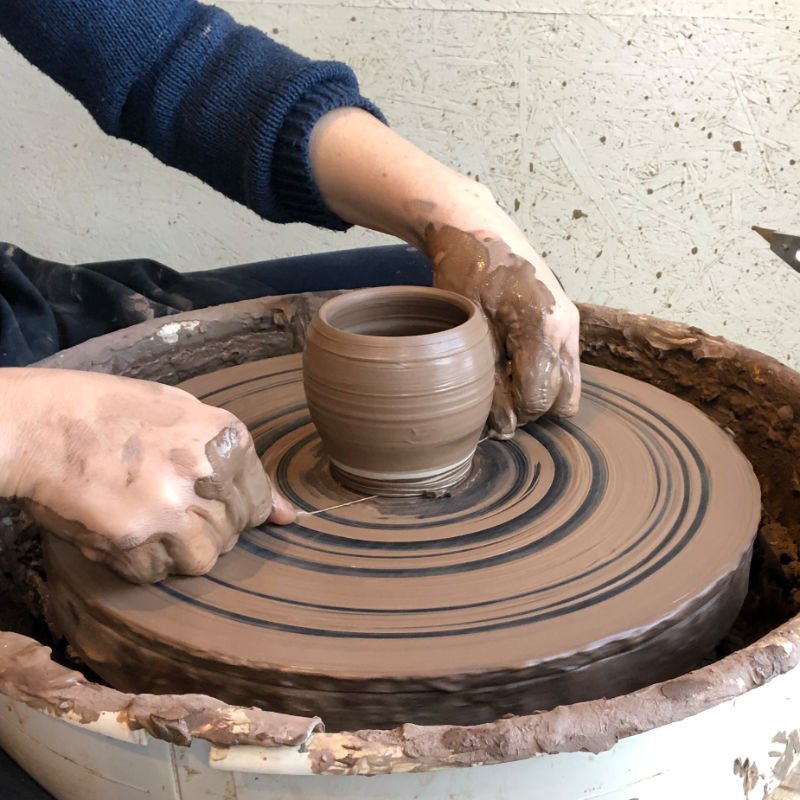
(536, 327)
(371, 176)
(142, 477)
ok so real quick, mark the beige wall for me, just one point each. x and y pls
(608, 130)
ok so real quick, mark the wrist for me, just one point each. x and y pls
(457, 202)
(369, 175)
(477, 214)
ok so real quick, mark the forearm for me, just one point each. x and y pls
(369, 175)
(202, 93)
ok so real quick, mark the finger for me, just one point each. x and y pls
(238, 479)
(237, 507)
(568, 400)
(255, 487)
(256, 492)
(212, 521)
(194, 549)
(283, 512)
(137, 559)
(189, 546)
(148, 562)
(502, 418)
(158, 557)
(535, 378)
(266, 502)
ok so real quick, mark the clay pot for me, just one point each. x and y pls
(399, 383)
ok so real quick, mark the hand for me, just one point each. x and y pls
(142, 477)
(370, 176)
(535, 325)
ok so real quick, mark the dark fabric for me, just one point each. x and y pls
(46, 306)
(201, 92)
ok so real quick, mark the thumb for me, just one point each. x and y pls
(536, 378)
(502, 420)
(283, 512)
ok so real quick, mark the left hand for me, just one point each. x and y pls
(535, 325)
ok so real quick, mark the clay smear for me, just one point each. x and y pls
(531, 375)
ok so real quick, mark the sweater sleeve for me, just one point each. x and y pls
(199, 91)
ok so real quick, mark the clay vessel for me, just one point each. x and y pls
(399, 383)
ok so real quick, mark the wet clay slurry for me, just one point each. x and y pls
(399, 383)
(584, 558)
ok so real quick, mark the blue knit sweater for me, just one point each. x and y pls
(198, 90)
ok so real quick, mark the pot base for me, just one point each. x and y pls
(436, 485)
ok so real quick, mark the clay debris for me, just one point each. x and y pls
(27, 673)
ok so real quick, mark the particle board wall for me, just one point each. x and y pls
(635, 142)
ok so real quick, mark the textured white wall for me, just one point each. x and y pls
(635, 141)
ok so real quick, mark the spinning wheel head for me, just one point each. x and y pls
(584, 558)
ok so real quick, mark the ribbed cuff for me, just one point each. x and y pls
(297, 198)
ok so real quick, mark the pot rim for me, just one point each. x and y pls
(422, 340)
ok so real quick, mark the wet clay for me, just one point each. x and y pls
(27, 673)
(236, 480)
(591, 727)
(399, 384)
(531, 374)
(541, 580)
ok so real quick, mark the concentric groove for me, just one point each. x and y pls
(630, 520)
(322, 550)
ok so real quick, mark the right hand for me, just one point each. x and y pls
(140, 476)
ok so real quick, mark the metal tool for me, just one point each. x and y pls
(783, 245)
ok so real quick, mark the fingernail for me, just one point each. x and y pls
(283, 512)
(502, 422)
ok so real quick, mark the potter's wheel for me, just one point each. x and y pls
(585, 558)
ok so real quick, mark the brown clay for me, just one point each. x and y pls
(542, 579)
(26, 672)
(399, 383)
